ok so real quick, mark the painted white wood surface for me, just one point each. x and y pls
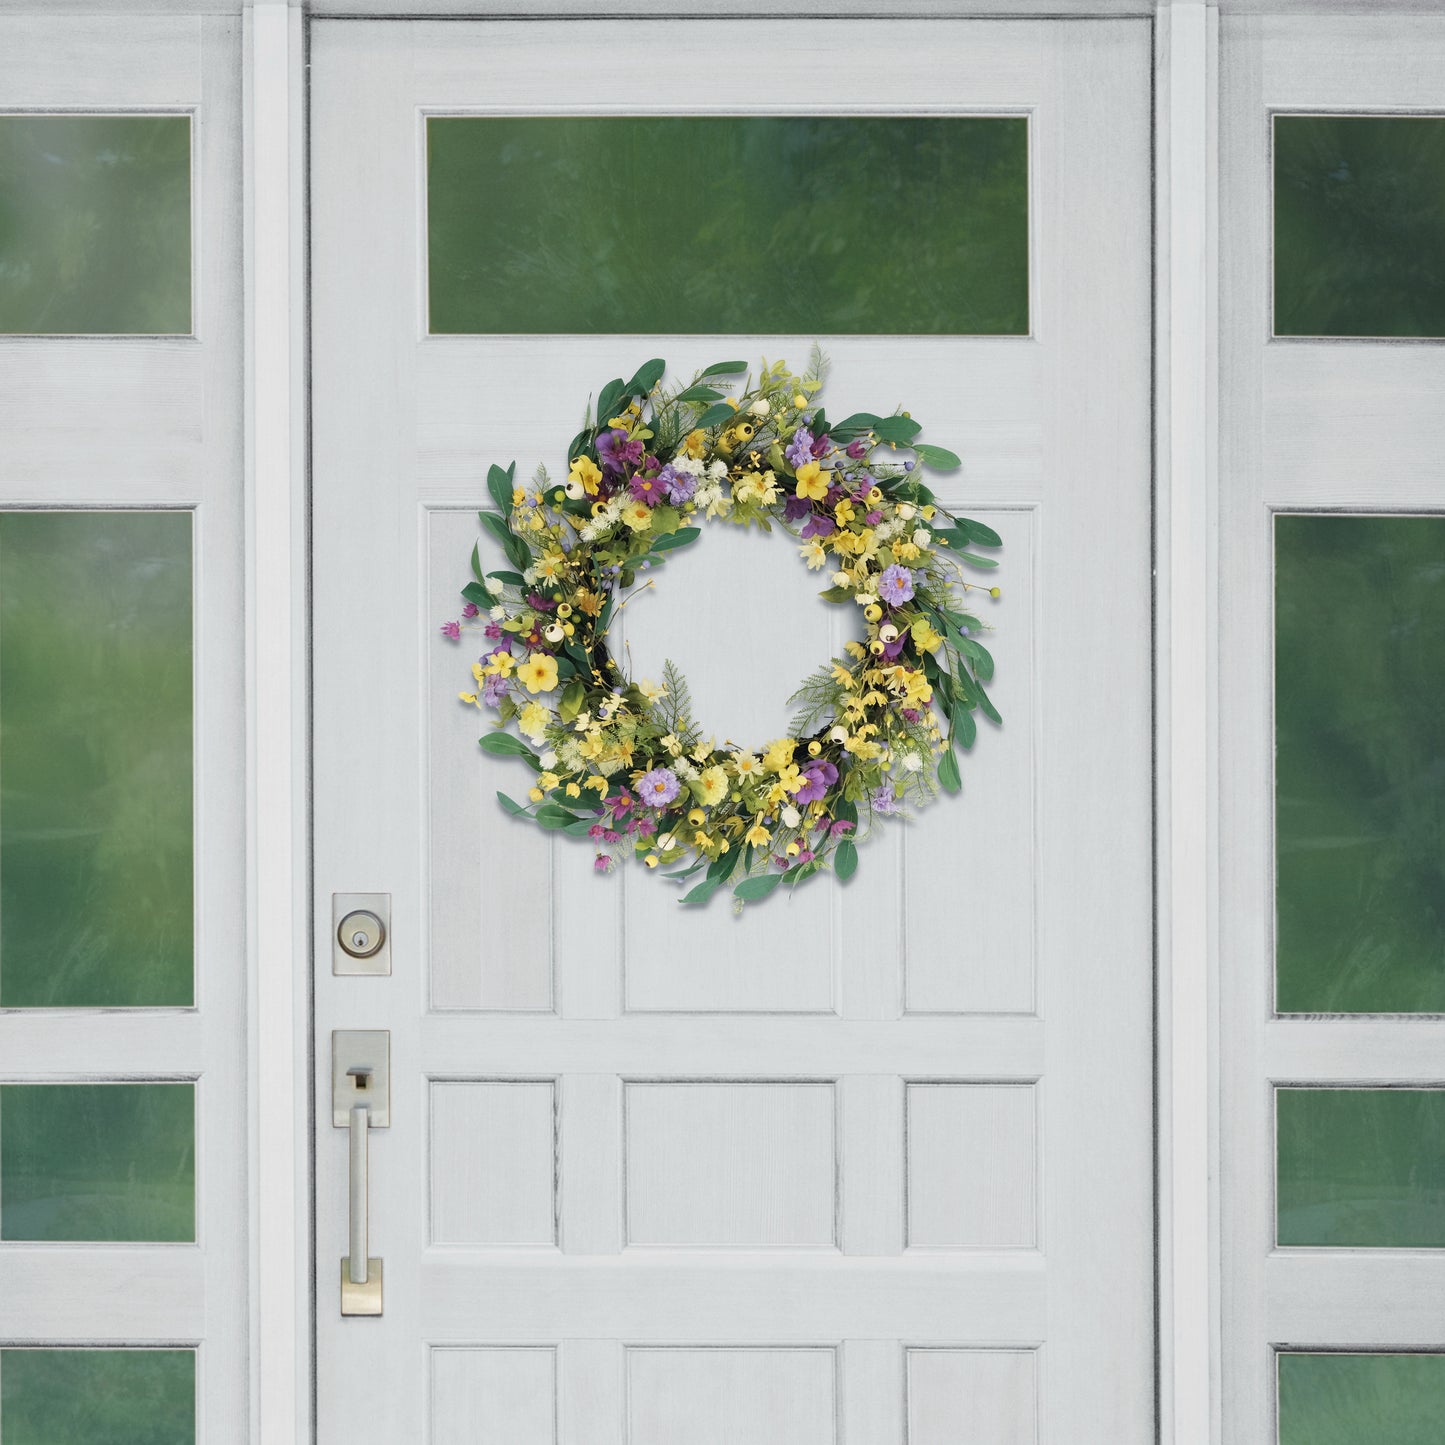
(514, 963)
(1305, 425)
(100, 422)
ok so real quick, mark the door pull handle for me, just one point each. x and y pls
(360, 1102)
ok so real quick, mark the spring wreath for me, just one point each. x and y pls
(625, 762)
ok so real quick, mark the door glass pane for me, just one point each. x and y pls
(97, 1162)
(758, 225)
(95, 759)
(1361, 1168)
(97, 1397)
(1359, 225)
(1360, 763)
(1339, 1399)
(95, 224)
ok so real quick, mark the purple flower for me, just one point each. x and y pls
(618, 450)
(912, 714)
(841, 826)
(819, 776)
(892, 649)
(895, 586)
(797, 507)
(817, 526)
(874, 517)
(857, 448)
(603, 863)
(538, 603)
(800, 449)
(677, 486)
(822, 445)
(492, 632)
(884, 799)
(452, 630)
(646, 489)
(470, 609)
(659, 787)
(494, 689)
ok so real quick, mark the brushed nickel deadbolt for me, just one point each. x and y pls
(361, 929)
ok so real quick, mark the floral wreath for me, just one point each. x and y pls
(625, 763)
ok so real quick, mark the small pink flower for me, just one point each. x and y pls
(841, 827)
(470, 609)
(452, 630)
(806, 856)
(857, 448)
(603, 863)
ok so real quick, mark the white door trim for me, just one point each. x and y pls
(276, 630)
(1186, 412)
(1186, 171)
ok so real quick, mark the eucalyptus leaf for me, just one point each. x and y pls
(948, 777)
(646, 377)
(725, 368)
(702, 892)
(607, 401)
(836, 594)
(974, 560)
(504, 745)
(680, 538)
(940, 459)
(699, 393)
(845, 860)
(477, 561)
(757, 887)
(515, 578)
(716, 415)
(976, 532)
(499, 484)
(512, 806)
(896, 429)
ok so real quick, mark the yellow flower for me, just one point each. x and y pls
(843, 511)
(924, 635)
(712, 783)
(779, 754)
(538, 673)
(746, 765)
(547, 781)
(637, 515)
(599, 785)
(652, 691)
(469, 697)
(573, 791)
(843, 676)
(790, 779)
(501, 665)
(586, 472)
(757, 835)
(551, 566)
(535, 794)
(694, 444)
(533, 720)
(811, 481)
(813, 554)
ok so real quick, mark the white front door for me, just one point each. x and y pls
(869, 1163)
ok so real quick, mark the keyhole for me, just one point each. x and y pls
(359, 940)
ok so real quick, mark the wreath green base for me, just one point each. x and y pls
(624, 762)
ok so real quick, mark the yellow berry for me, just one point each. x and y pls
(995, 591)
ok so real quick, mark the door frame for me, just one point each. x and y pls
(277, 631)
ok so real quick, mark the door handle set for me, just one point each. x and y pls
(360, 1102)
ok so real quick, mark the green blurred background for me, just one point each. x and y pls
(806, 225)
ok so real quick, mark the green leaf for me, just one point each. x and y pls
(966, 728)
(499, 484)
(645, 377)
(496, 524)
(974, 560)
(504, 745)
(573, 696)
(948, 778)
(975, 532)
(702, 892)
(896, 429)
(699, 393)
(725, 368)
(680, 538)
(845, 860)
(515, 578)
(513, 807)
(845, 812)
(757, 887)
(582, 828)
(475, 592)
(477, 561)
(989, 709)
(940, 459)
(612, 393)
(836, 594)
(860, 421)
(549, 815)
(715, 415)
